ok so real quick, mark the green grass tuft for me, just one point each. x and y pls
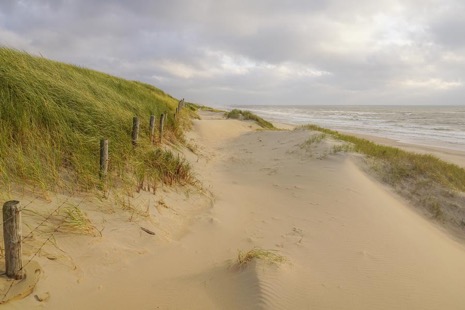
(163, 165)
(76, 221)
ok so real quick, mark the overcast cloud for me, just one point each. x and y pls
(221, 52)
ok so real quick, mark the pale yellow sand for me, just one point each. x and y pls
(350, 243)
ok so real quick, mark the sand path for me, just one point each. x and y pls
(351, 243)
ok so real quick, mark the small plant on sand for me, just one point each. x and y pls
(341, 148)
(436, 210)
(75, 220)
(313, 140)
(270, 256)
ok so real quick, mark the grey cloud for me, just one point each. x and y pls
(254, 51)
(450, 32)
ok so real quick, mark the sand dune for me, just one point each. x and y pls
(349, 242)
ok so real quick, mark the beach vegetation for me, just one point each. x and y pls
(76, 221)
(53, 115)
(247, 115)
(197, 107)
(269, 256)
(399, 165)
(436, 186)
(164, 165)
(314, 139)
(341, 148)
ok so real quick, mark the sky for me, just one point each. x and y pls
(241, 52)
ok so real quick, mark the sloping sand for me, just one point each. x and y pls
(349, 242)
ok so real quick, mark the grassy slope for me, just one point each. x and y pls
(436, 186)
(52, 116)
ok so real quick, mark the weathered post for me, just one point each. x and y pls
(12, 237)
(152, 127)
(135, 130)
(103, 158)
(162, 123)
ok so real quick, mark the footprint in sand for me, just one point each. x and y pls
(295, 236)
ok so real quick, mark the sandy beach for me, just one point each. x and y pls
(348, 242)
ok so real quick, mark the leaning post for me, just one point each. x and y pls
(12, 234)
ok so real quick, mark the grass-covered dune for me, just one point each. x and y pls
(52, 116)
(435, 186)
(247, 115)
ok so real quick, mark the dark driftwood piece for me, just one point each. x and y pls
(147, 231)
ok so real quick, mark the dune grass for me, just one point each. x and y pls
(269, 256)
(436, 186)
(196, 107)
(76, 221)
(52, 116)
(402, 164)
(315, 139)
(247, 115)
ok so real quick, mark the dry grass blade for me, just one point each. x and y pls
(76, 221)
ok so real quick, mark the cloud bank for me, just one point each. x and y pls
(257, 52)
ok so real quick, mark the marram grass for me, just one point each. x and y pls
(247, 115)
(402, 165)
(435, 186)
(269, 256)
(52, 116)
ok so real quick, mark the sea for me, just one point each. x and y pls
(431, 126)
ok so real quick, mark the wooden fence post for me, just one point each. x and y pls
(12, 237)
(152, 127)
(162, 123)
(135, 130)
(180, 105)
(103, 158)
